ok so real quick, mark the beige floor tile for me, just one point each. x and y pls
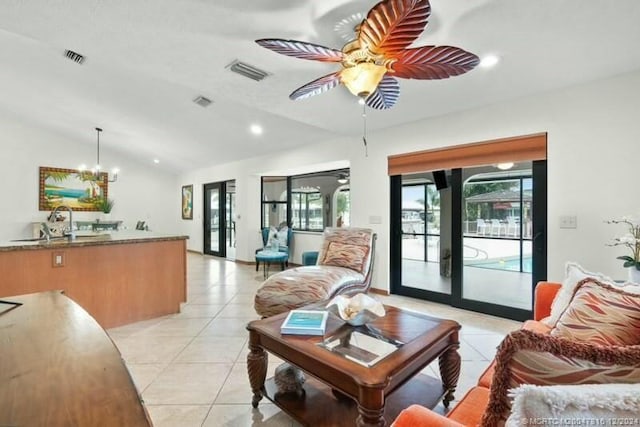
(175, 327)
(216, 296)
(187, 384)
(198, 310)
(128, 330)
(229, 327)
(239, 310)
(178, 415)
(144, 374)
(236, 389)
(212, 350)
(152, 349)
(244, 298)
(266, 415)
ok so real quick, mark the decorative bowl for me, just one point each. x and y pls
(357, 310)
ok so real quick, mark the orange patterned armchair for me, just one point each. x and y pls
(344, 266)
(531, 356)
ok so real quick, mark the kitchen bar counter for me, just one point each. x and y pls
(89, 238)
(118, 277)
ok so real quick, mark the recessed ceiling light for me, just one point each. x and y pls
(256, 129)
(156, 161)
(504, 166)
(489, 61)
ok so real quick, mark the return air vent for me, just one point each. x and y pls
(202, 101)
(247, 70)
(74, 56)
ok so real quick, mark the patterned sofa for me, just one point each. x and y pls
(344, 266)
(538, 355)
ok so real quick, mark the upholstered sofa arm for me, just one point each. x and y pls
(544, 294)
(526, 357)
(419, 416)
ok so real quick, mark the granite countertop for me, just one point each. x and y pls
(88, 238)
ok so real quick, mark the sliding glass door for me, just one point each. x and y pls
(478, 242)
(426, 268)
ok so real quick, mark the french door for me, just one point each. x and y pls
(215, 219)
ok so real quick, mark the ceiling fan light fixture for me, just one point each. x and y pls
(363, 79)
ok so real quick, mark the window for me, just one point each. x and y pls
(274, 201)
(315, 201)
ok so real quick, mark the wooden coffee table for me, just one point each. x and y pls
(339, 391)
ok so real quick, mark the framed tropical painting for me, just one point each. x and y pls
(81, 191)
(187, 201)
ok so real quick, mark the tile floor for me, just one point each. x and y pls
(191, 367)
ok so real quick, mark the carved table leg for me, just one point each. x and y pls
(257, 368)
(373, 414)
(450, 372)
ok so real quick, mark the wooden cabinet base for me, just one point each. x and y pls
(116, 283)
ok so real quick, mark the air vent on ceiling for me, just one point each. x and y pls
(74, 56)
(202, 101)
(247, 70)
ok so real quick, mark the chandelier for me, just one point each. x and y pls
(96, 171)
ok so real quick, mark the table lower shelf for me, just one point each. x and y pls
(320, 408)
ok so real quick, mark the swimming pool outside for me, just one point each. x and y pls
(508, 264)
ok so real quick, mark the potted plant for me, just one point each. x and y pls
(632, 241)
(105, 205)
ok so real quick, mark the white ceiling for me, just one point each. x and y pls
(146, 60)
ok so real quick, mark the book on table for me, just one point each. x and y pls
(305, 322)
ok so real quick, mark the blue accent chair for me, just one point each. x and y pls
(281, 248)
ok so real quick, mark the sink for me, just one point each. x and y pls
(36, 239)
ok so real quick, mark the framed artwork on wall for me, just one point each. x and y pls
(187, 201)
(81, 191)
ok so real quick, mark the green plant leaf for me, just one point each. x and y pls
(626, 258)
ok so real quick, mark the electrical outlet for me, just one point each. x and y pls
(568, 221)
(58, 259)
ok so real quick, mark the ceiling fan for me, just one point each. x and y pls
(379, 53)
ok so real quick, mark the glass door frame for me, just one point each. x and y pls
(455, 299)
(222, 222)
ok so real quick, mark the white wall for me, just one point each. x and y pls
(593, 153)
(142, 192)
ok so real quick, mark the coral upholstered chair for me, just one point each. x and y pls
(344, 266)
(536, 360)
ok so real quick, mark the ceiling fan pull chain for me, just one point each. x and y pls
(364, 130)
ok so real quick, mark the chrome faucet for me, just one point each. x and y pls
(71, 234)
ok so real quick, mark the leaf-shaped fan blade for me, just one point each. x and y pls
(302, 50)
(433, 62)
(392, 25)
(385, 95)
(317, 87)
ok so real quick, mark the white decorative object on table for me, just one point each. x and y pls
(357, 310)
(632, 241)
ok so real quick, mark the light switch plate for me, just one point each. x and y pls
(375, 219)
(568, 221)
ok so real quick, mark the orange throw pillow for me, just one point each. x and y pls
(601, 314)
